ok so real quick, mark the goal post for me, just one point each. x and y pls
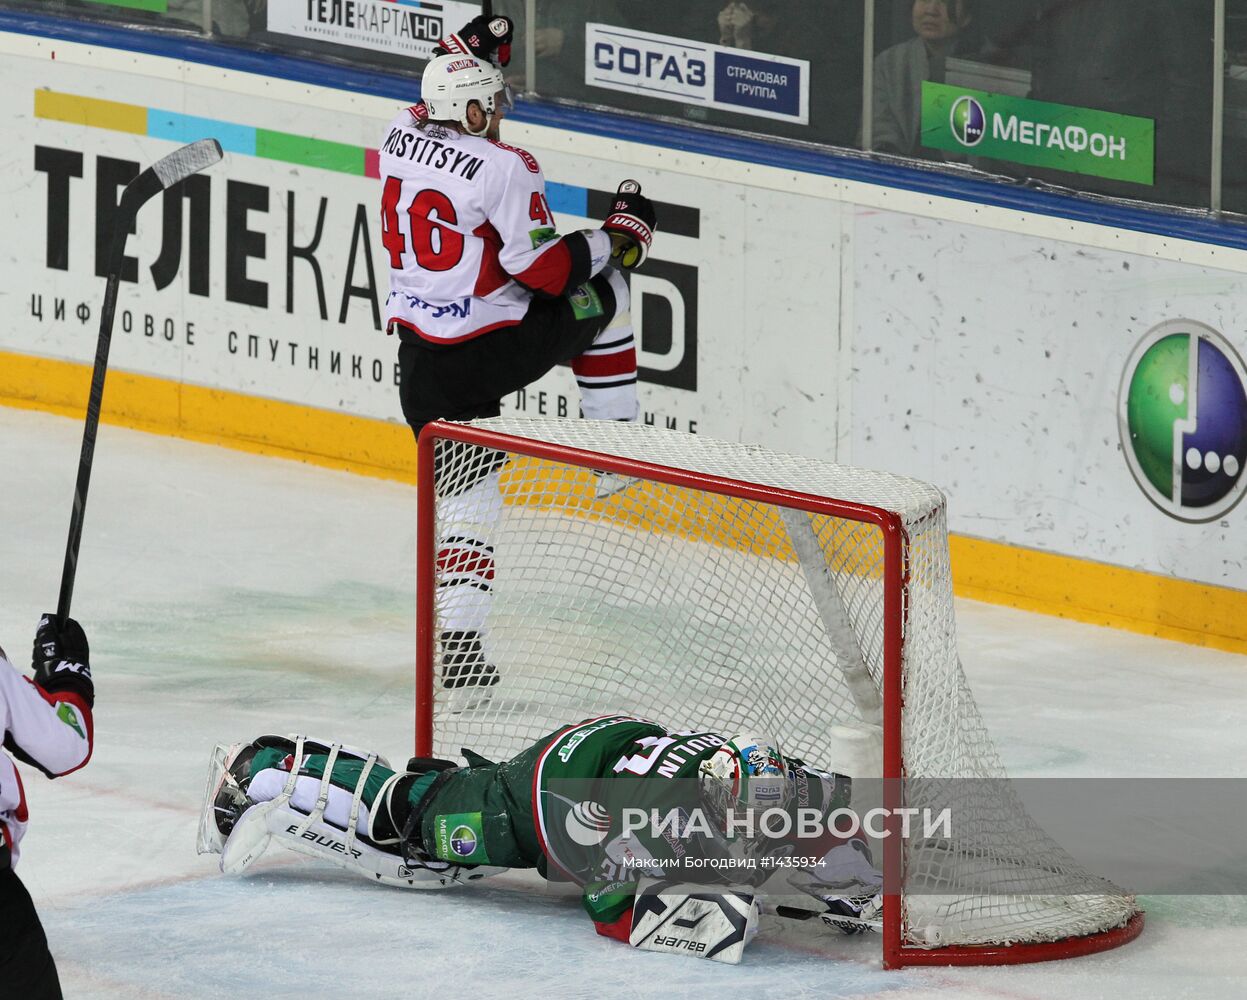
(730, 587)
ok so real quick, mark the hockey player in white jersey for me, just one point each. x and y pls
(47, 724)
(486, 297)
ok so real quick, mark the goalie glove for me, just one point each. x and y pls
(487, 38)
(693, 920)
(854, 914)
(847, 885)
(631, 225)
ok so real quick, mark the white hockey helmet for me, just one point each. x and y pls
(451, 82)
(748, 772)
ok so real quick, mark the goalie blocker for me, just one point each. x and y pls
(691, 920)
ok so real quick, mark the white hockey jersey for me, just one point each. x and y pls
(468, 232)
(51, 731)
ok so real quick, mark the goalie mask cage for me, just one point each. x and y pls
(730, 588)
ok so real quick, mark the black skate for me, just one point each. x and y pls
(465, 671)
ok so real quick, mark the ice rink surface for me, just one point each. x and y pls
(227, 595)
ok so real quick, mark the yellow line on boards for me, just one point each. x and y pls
(341, 441)
(994, 572)
(92, 111)
(1086, 591)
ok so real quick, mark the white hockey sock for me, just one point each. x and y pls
(465, 559)
(606, 372)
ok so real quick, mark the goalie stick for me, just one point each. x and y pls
(835, 616)
(162, 174)
(850, 906)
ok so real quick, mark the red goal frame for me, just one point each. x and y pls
(896, 954)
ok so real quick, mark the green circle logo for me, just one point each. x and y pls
(968, 121)
(463, 840)
(1182, 417)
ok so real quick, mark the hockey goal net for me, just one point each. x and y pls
(729, 587)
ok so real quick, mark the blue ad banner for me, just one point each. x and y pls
(713, 76)
(760, 86)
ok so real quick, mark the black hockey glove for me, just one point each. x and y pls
(61, 658)
(487, 38)
(631, 224)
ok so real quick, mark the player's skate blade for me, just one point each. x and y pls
(466, 673)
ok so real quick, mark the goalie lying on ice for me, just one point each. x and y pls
(659, 829)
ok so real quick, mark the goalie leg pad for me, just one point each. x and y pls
(291, 808)
(276, 822)
(226, 795)
(234, 818)
(247, 840)
(693, 920)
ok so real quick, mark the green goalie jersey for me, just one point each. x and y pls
(597, 804)
(607, 800)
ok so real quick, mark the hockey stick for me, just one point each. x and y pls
(162, 174)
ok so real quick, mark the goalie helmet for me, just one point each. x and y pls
(747, 774)
(450, 83)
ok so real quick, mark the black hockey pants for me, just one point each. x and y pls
(27, 971)
(468, 381)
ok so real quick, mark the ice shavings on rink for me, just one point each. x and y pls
(227, 595)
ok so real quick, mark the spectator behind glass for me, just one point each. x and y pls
(1234, 155)
(558, 43)
(1150, 58)
(737, 22)
(236, 19)
(940, 31)
(825, 33)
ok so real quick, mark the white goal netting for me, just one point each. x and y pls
(703, 608)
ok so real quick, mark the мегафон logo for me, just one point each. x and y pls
(968, 121)
(1182, 414)
(463, 841)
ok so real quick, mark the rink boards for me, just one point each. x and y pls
(979, 347)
